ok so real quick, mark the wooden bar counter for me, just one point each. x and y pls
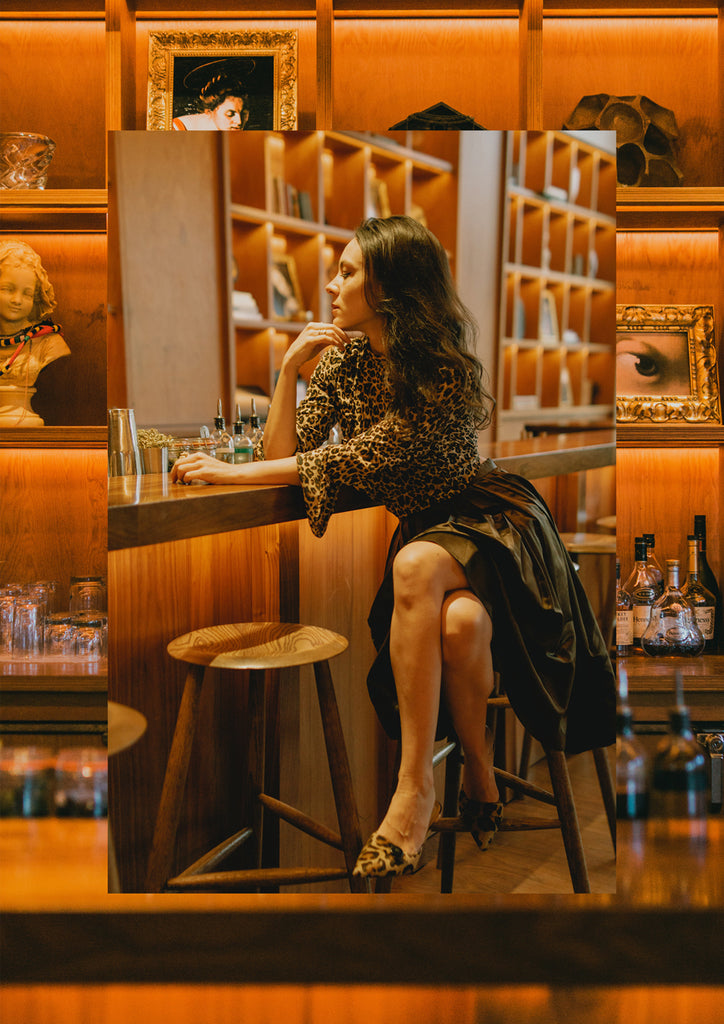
(186, 557)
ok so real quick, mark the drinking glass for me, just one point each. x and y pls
(91, 634)
(81, 783)
(87, 594)
(60, 635)
(28, 627)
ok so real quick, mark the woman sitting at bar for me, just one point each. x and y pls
(477, 577)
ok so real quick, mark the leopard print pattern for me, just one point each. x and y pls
(379, 857)
(404, 465)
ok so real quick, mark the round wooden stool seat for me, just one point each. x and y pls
(590, 543)
(259, 649)
(257, 645)
(125, 727)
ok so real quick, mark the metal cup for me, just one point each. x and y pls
(124, 458)
(155, 460)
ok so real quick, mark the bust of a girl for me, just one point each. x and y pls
(29, 339)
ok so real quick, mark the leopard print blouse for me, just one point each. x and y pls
(405, 466)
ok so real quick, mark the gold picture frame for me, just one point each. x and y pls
(264, 62)
(666, 365)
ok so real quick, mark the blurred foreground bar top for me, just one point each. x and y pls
(151, 510)
(663, 927)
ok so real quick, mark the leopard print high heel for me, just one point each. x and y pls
(481, 820)
(379, 857)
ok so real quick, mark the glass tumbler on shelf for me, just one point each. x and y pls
(7, 617)
(28, 622)
(91, 634)
(60, 635)
(87, 594)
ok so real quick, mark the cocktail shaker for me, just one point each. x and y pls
(124, 458)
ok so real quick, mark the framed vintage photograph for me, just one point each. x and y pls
(222, 81)
(287, 302)
(548, 326)
(666, 365)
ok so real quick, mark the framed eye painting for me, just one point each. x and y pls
(666, 366)
(222, 81)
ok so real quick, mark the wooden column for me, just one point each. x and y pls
(530, 88)
(325, 40)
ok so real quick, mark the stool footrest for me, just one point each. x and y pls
(521, 786)
(231, 881)
(506, 825)
(210, 860)
(300, 820)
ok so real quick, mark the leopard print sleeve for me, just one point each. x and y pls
(404, 466)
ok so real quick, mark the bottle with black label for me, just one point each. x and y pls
(701, 600)
(708, 579)
(642, 588)
(653, 563)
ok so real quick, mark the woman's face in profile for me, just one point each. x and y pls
(652, 363)
(230, 115)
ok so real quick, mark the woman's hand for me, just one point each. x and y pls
(313, 339)
(199, 467)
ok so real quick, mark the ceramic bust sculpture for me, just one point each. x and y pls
(29, 339)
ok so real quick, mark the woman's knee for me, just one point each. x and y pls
(466, 627)
(416, 571)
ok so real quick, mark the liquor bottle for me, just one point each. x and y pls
(220, 437)
(652, 561)
(243, 450)
(708, 579)
(642, 588)
(624, 618)
(255, 428)
(632, 764)
(679, 793)
(701, 600)
(672, 628)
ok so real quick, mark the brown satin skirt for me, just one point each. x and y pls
(547, 646)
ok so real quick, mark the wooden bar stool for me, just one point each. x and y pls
(257, 647)
(561, 798)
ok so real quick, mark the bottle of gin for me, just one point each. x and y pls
(624, 617)
(652, 561)
(243, 450)
(701, 600)
(679, 792)
(632, 764)
(642, 588)
(672, 628)
(708, 579)
(221, 438)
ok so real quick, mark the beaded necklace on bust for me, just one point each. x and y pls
(21, 338)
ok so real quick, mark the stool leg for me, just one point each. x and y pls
(608, 793)
(257, 760)
(174, 783)
(570, 829)
(446, 849)
(344, 798)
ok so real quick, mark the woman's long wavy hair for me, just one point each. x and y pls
(426, 326)
(14, 253)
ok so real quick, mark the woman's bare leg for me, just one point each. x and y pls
(424, 573)
(468, 681)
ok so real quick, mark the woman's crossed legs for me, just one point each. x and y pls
(440, 631)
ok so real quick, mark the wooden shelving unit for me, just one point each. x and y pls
(340, 174)
(557, 303)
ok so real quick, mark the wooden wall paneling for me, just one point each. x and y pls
(72, 390)
(173, 225)
(530, 72)
(691, 486)
(306, 51)
(344, 168)
(120, 70)
(159, 592)
(38, 95)
(53, 515)
(325, 66)
(659, 267)
(672, 60)
(385, 69)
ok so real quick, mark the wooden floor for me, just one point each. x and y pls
(529, 862)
